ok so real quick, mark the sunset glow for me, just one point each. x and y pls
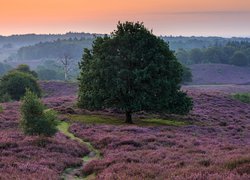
(165, 17)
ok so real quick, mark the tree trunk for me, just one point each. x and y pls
(129, 117)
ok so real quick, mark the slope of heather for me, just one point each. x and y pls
(29, 157)
(215, 144)
(220, 74)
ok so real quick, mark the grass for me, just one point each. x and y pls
(1, 109)
(237, 162)
(99, 119)
(243, 97)
(64, 128)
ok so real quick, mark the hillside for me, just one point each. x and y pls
(220, 74)
(211, 142)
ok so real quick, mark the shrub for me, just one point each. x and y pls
(5, 97)
(14, 84)
(35, 119)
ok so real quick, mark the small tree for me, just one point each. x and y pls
(132, 70)
(14, 84)
(35, 119)
(67, 63)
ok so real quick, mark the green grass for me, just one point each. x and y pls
(64, 128)
(237, 162)
(162, 122)
(1, 109)
(243, 97)
(99, 119)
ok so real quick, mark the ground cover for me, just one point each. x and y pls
(214, 144)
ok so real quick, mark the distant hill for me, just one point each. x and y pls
(220, 74)
(31, 39)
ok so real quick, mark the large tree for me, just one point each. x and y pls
(131, 70)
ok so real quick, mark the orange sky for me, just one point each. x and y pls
(166, 17)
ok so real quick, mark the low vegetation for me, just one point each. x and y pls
(155, 151)
(102, 119)
(243, 97)
(236, 163)
(1, 108)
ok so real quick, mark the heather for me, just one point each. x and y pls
(216, 147)
(213, 143)
(26, 157)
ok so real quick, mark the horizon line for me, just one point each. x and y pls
(95, 33)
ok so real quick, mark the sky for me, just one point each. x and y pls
(225, 18)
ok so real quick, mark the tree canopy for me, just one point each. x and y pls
(132, 70)
(15, 83)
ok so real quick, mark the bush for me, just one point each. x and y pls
(5, 97)
(35, 119)
(14, 84)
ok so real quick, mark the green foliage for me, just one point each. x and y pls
(132, 70)
(26, 69)
(47, 74)
(35, 119)
(5, 97)
(239, 59)
(186, 75)
(237, 162)
(1, 108)
(183, 56)
(196, 55)
(243, 97)
(54, 49)
(14, 85)
(4, 68)
(235, 53)
(54, 70)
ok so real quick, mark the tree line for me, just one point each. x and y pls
(55, 49)
(234, 53)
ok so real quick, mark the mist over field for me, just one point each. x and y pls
(45, 51)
